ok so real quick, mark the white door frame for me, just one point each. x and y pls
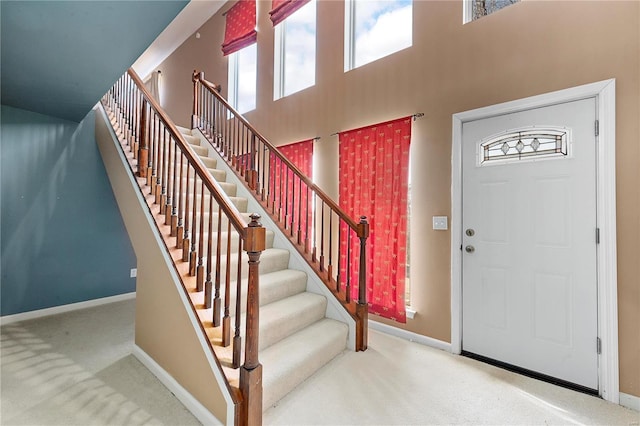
(604, 92)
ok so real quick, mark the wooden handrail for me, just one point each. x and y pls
(199, 76)
(236, 219)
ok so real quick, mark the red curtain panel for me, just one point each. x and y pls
(373, 180)
(240, 29)
(290, 195)
(282, 9)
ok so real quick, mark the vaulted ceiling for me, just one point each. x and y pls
(59, 57)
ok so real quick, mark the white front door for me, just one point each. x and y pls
(529, 289)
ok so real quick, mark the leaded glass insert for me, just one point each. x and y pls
(482, 8)
(523, 144)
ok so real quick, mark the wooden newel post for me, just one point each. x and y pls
(362, 308)
(195, 77)
(143, 149)
(251, 371)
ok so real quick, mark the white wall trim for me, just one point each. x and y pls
(467, 11)
(217, 372)
(409, 335)
(24, 316)
(630, 401)
(604, 92)
(193, 405)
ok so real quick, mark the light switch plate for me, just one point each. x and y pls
(134, 272)
(440, 223)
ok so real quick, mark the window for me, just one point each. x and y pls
(295, 52)
(375, 29)
(474, 9)
(242, 78)
(529, 143)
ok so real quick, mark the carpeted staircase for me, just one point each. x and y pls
(296, 336)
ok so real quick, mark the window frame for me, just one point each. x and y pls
(467, 11)
(350, 36)
(279, 56)
(233, 71)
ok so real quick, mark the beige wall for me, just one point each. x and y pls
(163, 329)
(526, 49)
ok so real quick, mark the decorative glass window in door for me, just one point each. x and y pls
(525, 144)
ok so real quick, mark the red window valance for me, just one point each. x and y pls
(240, 30)
(281, 9)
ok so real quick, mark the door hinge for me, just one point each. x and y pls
(597, 235)
(597, 128)
(599, 345)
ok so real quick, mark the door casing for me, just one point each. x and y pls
(604, 92)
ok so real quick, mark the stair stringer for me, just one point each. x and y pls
(335, 310)
(193, 367)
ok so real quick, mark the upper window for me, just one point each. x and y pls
(474, 9)
(375, 29)
(242, 78)
(295, 52)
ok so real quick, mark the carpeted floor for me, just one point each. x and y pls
(77, 369)
(396, 382)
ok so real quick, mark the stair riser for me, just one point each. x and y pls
(235, 242)
(270, 292)
(229, 188)
(240, 203)
(267, 264)
(215, 217)
(208, 162)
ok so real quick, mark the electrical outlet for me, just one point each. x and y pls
(134, 272)
(440, 223)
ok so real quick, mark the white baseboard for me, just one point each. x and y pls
(24, 316)
(410, 336)
(193, 405)
(630, 401)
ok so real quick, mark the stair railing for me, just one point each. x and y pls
(322, 232)
(192, 205)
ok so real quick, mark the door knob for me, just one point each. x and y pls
(470, 249)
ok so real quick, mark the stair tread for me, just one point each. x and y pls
(193, 140)
(184, 130)
(271, 260)
(292, 360)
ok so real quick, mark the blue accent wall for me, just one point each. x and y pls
(59, 57)
(62, 238)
